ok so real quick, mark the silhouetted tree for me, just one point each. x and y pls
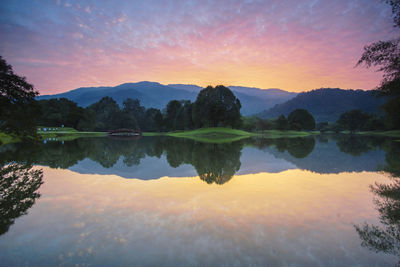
(57, 112)
(18, 108)
(134, 114)
(152, 120)
(392, 109)
(282, 123)
(173, 108)
(216, 107)
(301, 119)
(353, 120)
(386, 55)
(107, 114)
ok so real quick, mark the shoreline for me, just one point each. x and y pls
(207, 135)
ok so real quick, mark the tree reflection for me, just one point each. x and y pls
(356, 145)
(299, 147)
(385, 238)
(214, 163)
(217, 163)
(18, 192)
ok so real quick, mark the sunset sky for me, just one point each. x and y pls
(293, 45)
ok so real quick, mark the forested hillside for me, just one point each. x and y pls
(326, 104)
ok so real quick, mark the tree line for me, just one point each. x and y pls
(214, 106)
(301, 120)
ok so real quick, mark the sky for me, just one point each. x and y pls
(60, 45)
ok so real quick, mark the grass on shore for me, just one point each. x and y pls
(207, 135)
(226, 135)
(393, 133)
(66, 133)
(213, 135)
(285, 134)
(8, 139)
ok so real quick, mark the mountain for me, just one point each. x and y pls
(253, 99)
(152, 94)
(326, 104)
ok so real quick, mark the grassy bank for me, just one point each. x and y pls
(213, 135)
(393, 133)
(207, 135)
(8, 139)
(66, 134)
(285, 134)
(226, 135)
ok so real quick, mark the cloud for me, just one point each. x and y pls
(293, 45)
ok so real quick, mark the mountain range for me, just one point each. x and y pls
(325, 104)
(152, 94)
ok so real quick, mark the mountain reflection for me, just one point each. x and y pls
(385, 237)
(214, 163)
(18, 192)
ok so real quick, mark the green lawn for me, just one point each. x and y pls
(225, 135)
(285, 134)
(213, 135)
(208, 135)
(66, 133)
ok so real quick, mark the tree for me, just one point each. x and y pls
(173, 108)
(107, 114)
(301, 119)
(134, 114)
(18, 108)
(216, 107)
(384, 237)
(187, 115)
(55, 112)
(19, 186)
(353, 120)
(282, 123)
(392, 109)
(386, 56)
(151, 120)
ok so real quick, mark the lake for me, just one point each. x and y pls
(328, 200)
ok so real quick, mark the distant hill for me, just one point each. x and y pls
(253, 99)
(326, 104)
(152, 94)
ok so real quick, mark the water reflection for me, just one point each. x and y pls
(266, 202)
(385, 237)
(212, 162)
(216, 163)
(19, 186)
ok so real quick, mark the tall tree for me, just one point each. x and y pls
(107, 114)
(353, 120)
(173, 108)
(18, 108)
(56, 112)
(216, 107)
(386, 56)
(301, 119)
(134, 113)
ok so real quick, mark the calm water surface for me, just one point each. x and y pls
(318, 201)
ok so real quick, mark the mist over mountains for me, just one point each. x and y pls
(325, 104)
